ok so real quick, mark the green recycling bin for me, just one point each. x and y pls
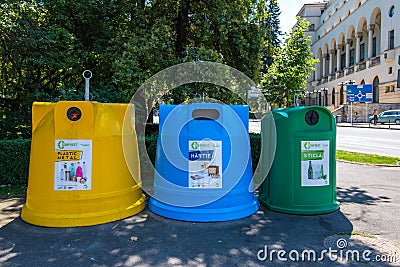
(302, 177)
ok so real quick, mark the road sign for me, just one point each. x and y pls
(254, 92)
(359, 93)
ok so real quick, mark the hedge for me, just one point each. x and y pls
(14, 156)
(14, 161)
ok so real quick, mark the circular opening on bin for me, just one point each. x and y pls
(205, 114)
(74, 113)
(312, 117)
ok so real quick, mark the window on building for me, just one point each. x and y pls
(391, 39)
(343, 60)
(311, 27)
(390, 71)
(352, 57)
(391, 11)
(362, 52)
(374, 47)
(341, 96)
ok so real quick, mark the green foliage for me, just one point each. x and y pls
(151, 128)
(8, 191)
(46, 45)
(14, 161)
(14, 119)
(151, 145)
(255, 144)
(292, 65)
(271, 31)
(14, 155)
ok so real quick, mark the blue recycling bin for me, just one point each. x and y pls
(203, 163)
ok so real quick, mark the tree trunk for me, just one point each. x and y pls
(182, 25)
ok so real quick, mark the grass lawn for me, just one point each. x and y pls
(7, 191)
(366, 158)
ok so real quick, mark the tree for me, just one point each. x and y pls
(292, 65)
(271, 30)
(45, 46)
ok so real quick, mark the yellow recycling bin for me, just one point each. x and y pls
(77, 174)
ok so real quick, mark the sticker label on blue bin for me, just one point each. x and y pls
(205, 164)
(314, 163)
(73, 165)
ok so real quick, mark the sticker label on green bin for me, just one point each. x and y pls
(72, 165)
(314, 163)
(205, 164)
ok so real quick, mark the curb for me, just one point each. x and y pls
(367, 127)
(368, 164)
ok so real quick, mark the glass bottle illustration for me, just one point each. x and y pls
(310, 171)
(322, 172)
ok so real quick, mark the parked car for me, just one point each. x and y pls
(392, 116)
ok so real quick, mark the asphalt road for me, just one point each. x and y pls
(369, 210)
(374, 140)
(384, 142)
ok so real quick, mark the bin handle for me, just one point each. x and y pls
(205, 114)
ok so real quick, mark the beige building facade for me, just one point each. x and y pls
(355, 41)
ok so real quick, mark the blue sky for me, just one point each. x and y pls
(289, 9)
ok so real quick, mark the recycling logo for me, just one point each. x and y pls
(307, 145)
(195, 145)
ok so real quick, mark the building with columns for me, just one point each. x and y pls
(356, 41)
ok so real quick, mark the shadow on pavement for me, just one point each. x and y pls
(358, 195)
(149, 240)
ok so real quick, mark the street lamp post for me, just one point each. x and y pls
(308, 96)
(324, 91)
(316, 93)
(341, 98)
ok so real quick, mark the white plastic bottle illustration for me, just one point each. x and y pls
(72, 169)
(62, 174)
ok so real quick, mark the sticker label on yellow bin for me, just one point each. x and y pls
(73, 165)
(205, 164)
(314, 163)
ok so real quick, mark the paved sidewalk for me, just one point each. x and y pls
(370, 202)
(369, 125)
(255, 126)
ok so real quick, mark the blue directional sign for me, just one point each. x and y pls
(359, 93)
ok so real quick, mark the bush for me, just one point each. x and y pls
(14, 156)
(151, 143)
(255, 143)
(14, 161)
(151, 128)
